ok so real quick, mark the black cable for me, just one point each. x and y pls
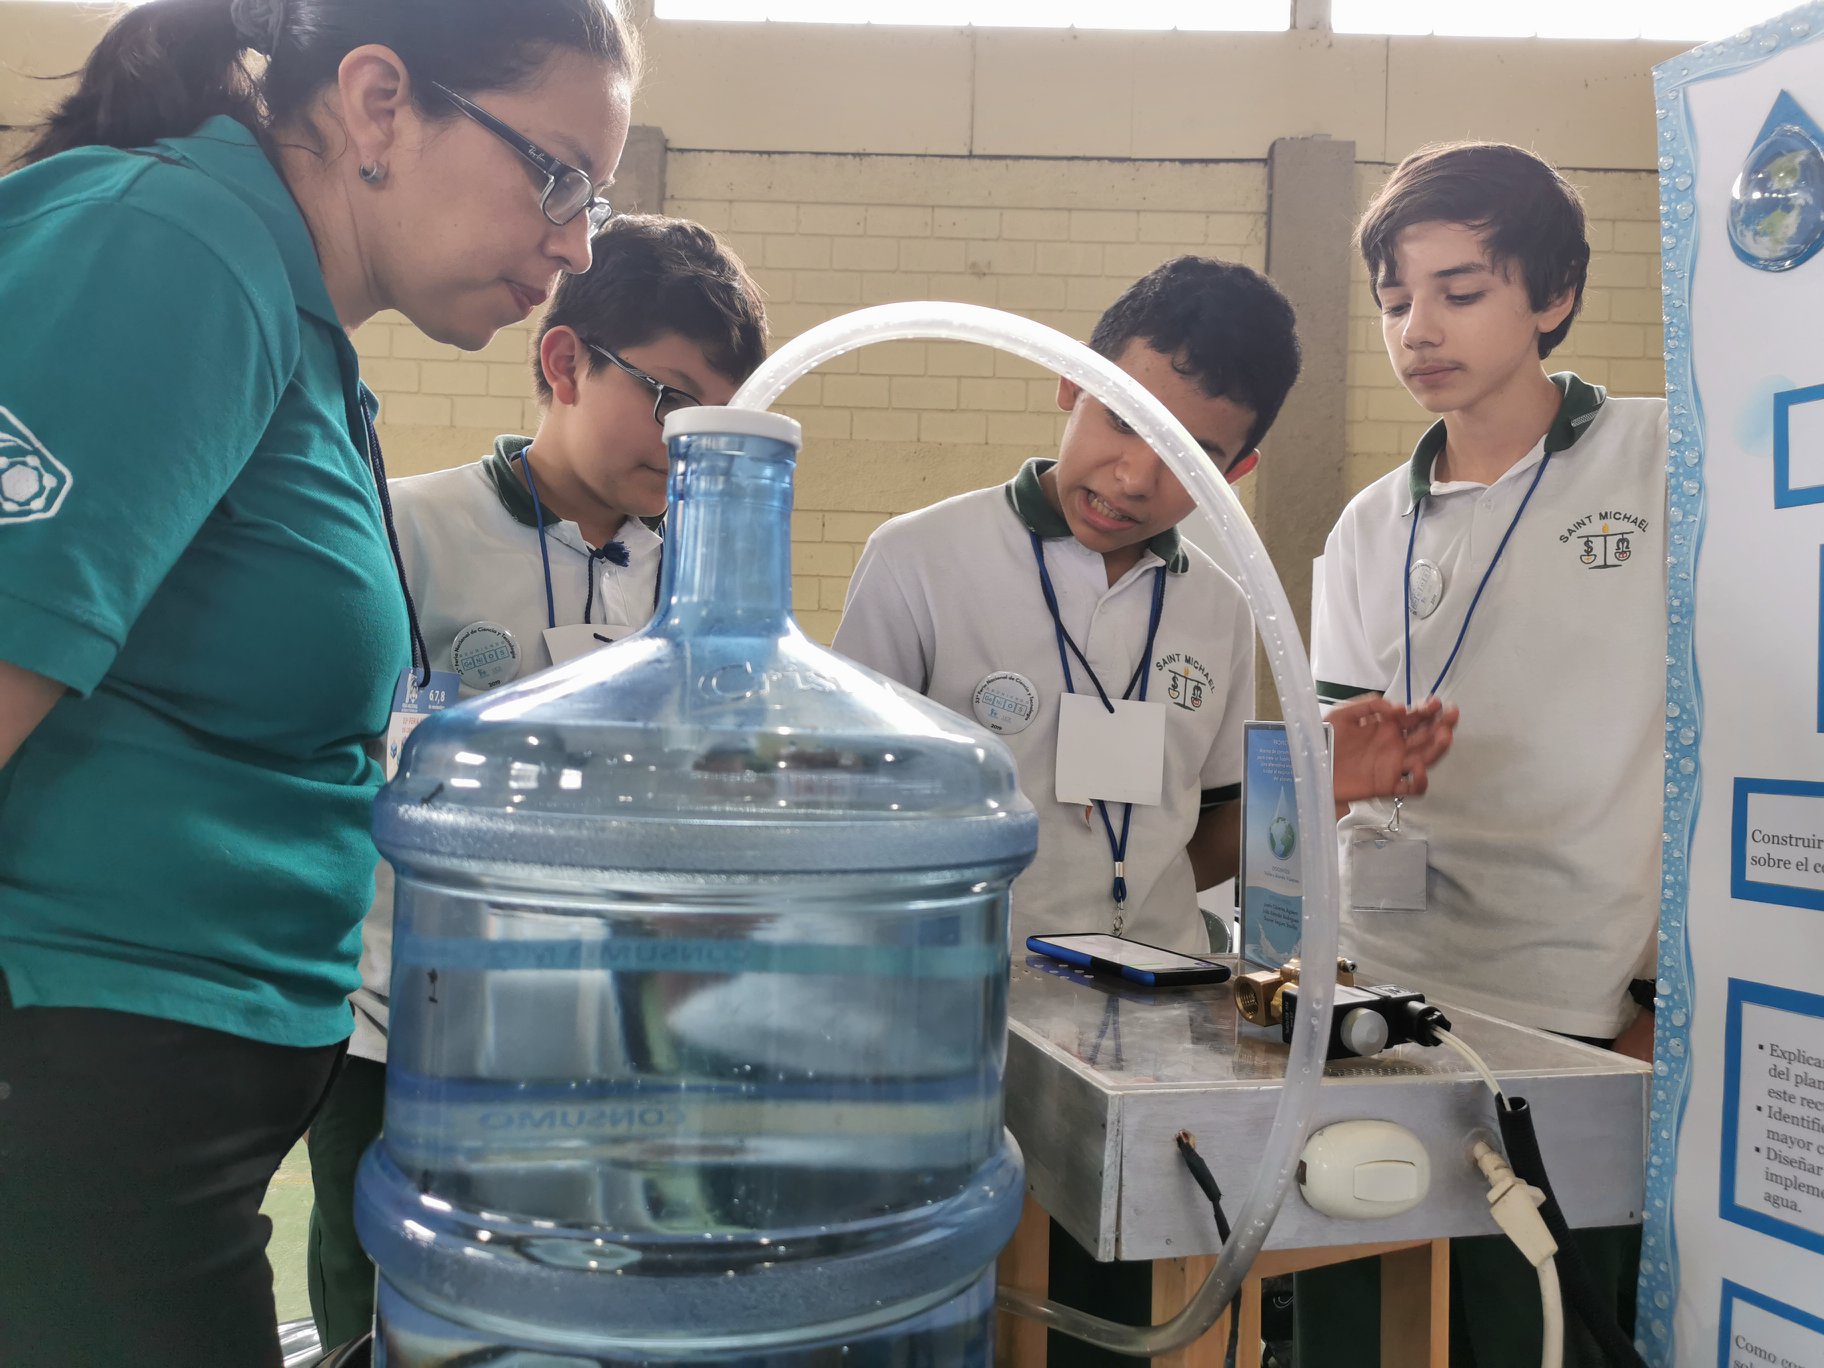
(1426, 1021)
(614, 552)
(1524, 1156)
(1200, 1171)
(421, 657)
(1528, 1163)
(1187, 1146)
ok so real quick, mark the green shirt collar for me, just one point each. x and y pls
(1027, 498)
(229, 154)
(508, 487)
(497, 465)
(1576, 408)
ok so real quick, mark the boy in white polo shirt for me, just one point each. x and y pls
(1545, 498)
(1515, 567)
(1073, 579)
(545, 549)
(549, 546)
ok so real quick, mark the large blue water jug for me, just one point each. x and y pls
(699, 989)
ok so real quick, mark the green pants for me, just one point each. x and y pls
(341, 1275)
(1494, 1305)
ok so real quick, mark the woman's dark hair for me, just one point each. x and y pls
(1526, 213)
(650, 276)
(166, 66)
(1225, 326)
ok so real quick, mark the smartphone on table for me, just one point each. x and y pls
(1132, 960)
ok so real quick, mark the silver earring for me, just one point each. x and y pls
(372, 173)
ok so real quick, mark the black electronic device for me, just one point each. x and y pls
(1132, 960)
(1366, 1021)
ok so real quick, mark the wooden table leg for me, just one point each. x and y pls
(1415, 1299)
(1175, 1281)
(1025, 1264)
(1247, 1342)
(1415, 1306)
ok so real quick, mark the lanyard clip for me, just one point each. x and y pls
(1393, 822)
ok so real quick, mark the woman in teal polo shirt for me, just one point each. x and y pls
(201, 621)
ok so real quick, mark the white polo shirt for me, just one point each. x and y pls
(946, 597)
(1544, 819)
(468, 538)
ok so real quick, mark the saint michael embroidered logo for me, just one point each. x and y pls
(32, 481)
(1605, 540)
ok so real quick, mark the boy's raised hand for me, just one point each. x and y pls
(1383, 750)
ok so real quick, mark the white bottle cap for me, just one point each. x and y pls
(713, 420)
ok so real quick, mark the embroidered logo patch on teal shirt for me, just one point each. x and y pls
(32, 481)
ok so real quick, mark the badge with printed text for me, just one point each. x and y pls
(1006, 702)
(1424, 588)
(411, 705)
(485, 655)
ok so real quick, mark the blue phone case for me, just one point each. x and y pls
(1152, 978)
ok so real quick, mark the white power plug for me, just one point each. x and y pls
(1361, 1170)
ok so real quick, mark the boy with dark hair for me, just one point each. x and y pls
(1516, 566)
(545, 549)
(549, 546)
(1016, 603)
(664, 277)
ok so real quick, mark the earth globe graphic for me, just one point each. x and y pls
(1776, 208)
(1281, 837)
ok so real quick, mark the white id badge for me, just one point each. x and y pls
(411, 705)
(567, 643)
(1118, 757)
(1387, 871)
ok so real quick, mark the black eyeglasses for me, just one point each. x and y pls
(666, 399)
(568, 191)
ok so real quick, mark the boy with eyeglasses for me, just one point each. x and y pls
(545, 549)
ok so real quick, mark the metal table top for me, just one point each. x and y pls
(1101, 1075)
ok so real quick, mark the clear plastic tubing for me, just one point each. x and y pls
(1219, 510)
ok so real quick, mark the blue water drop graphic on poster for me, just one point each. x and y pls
(1282, 835)
(1272, 880)
(1733, 1246)
(1776, 207)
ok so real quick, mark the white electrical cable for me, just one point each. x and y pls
(1551, 1303)
(1515, 1207)
(1475, 1060)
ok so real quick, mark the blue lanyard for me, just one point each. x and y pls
(613, 551)
(1412, 540)
(544, 552)
(1067, 647)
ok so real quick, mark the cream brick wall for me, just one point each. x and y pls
(894, 426)
(1616, 340)
(900, 425)
(960, 164)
